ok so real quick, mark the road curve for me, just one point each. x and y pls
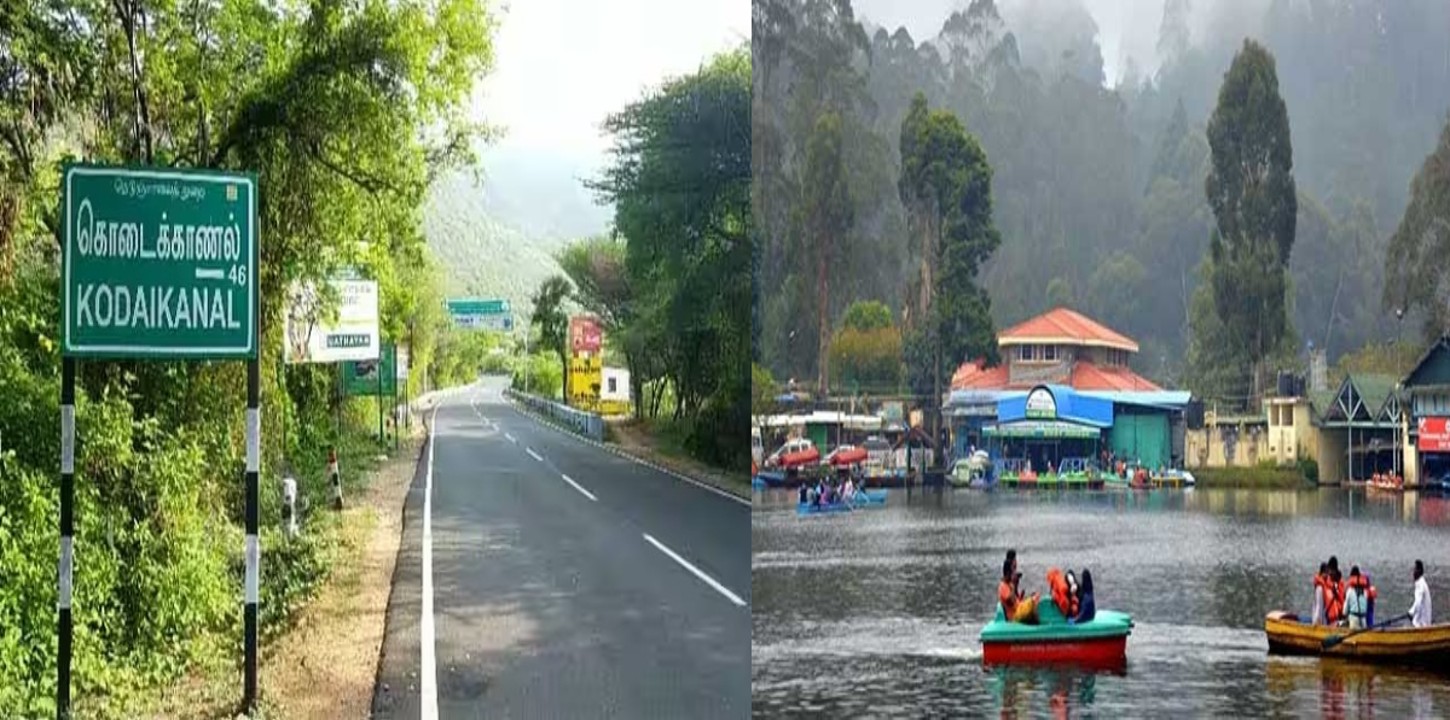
(565, 581)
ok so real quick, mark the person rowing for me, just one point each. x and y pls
(1420, 610)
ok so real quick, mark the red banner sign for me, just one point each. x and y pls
(1434, 435)
(584, 334)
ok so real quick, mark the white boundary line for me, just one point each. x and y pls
(698, 573)
(429, 664)
(510, 438)
(533, 454)
(579, 487)
(627, 456)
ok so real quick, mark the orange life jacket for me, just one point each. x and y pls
(1008, 597)
(1333, 598)
(1057, 582)
(1360, 581)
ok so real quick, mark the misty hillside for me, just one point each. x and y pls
(542, 193)
(1097, 187)
(481, 254)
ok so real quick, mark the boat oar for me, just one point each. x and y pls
(1333, 640)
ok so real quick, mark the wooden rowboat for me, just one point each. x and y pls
(1427, 646)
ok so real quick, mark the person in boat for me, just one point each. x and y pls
(1086, 608)
(1317, 614)
(1062, 594)
(1334, 601)
(1420, 610)
(1015, 607)
(1357, 596)
(848, 491)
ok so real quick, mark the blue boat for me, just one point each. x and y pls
(769, 478)
(864, 498)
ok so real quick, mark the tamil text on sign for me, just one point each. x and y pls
(158, 263)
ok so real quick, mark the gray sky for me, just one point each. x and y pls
(561, 66)
(1125, 27)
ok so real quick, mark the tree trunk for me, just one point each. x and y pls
(126, 11)
(823, 312)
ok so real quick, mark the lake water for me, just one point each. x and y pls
(876, 612)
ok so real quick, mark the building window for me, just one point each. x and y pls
(1049, 353)
(613, 387)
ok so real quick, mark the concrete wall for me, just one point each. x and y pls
(1227, 442)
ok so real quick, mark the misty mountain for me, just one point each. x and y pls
(1097, 186)
(542, 193)
(482, 254)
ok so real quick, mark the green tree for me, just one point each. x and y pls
(829, 214)
(867, 315)
(552, 320)
(1416, 273)
(680, 184)
(1250, 188)
(946, 186)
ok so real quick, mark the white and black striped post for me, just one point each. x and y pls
(253, 549)
(67, 530)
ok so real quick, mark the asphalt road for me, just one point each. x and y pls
(565, 581)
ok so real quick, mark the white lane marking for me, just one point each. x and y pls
(610, 449)
(429, 664)
(579, 487)
(510, 437)
(698, 573)
(533, 454)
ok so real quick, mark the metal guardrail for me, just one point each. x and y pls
(584, 423)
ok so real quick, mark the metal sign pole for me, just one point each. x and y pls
(253, 550)
(67, 530)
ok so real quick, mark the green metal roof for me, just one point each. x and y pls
(1433, 367)
(1320, 401)
(1371, 390)
(1374, 390)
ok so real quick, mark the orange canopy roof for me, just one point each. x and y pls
(1065, 327)
(1085, 376)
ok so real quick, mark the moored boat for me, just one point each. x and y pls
(1427, 646)
(1100, 642)
(864, 498)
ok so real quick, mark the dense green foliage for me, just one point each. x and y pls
(551, 319)
(1250, 188)
(680, 183)
(946, 187)
(345, 112)
(829, 215)
(1416, 266)
(1098, 191)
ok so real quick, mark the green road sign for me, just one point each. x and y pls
(158, 263)
(360, 377)
(476, 306)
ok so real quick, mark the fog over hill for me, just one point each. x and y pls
(493, 240)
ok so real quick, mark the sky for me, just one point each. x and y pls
(562, 66)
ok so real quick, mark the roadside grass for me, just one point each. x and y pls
(294, 570)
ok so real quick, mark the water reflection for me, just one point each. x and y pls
(1021, 690)
(877, 613)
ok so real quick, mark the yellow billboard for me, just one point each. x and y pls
(586, 376)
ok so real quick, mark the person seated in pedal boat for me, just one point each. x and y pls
(1420, 610)
(1357, 596)
(1062, 595)
(1015, 607)
(1086, 607)
(848, 491)
(803, 494)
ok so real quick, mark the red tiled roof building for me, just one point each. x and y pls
(1063, 347)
